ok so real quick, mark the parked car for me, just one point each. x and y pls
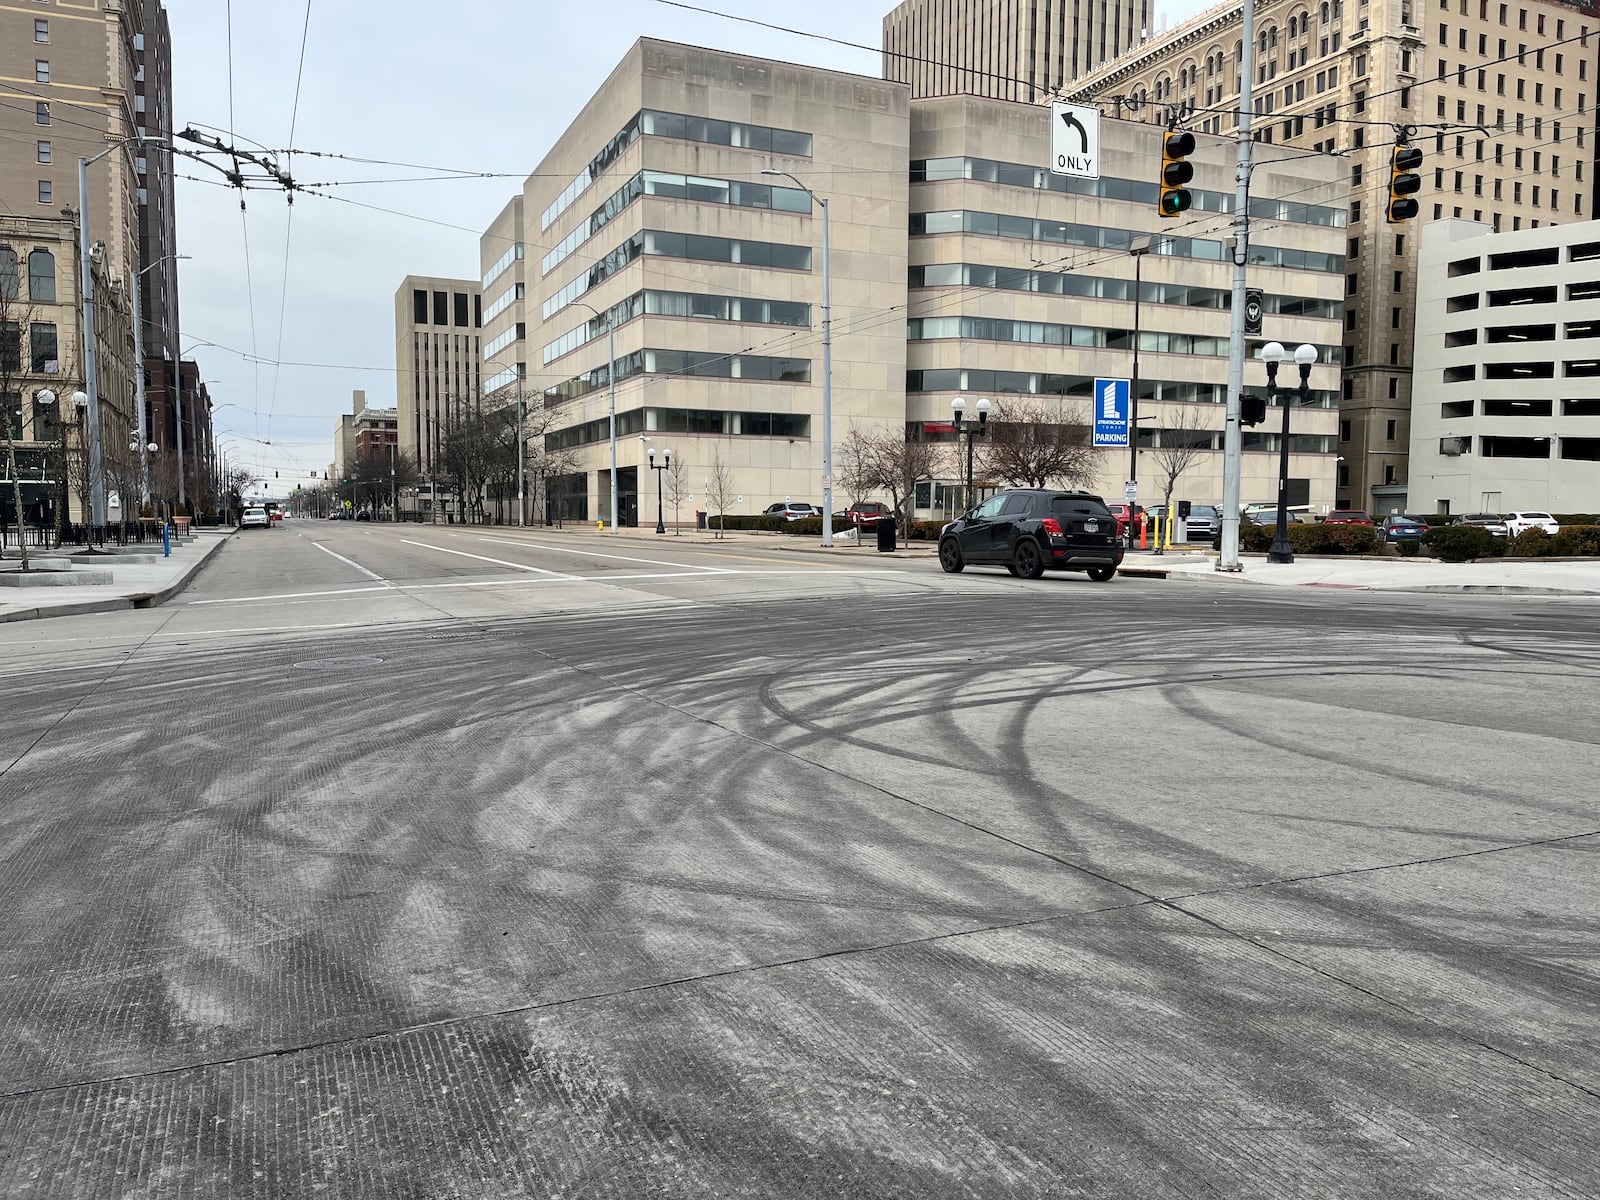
(255, 518)
(1521, 522)
(1397, 528)
(866, 512)
(1204, 522)
(275, 515)
(1493, 522)
(1031, 530)
(1347, 516)
(1123, 513)
(791, 510)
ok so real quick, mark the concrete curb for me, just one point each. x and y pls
(118, 603)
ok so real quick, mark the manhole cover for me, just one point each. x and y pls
(338, 664)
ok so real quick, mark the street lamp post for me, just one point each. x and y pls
(611, 379)
(97, 483)
(1304, 356)
(660, 469)
(958, 410)
(827, 363)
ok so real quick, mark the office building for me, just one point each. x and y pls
(1506, 403)
(1005, 49)
(438, 362)
(1022, 289)
(1503, 94)
(652, 216)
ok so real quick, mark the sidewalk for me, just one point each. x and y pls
(140, 578)
(1194, 565)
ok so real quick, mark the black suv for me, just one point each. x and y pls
(1028, 531)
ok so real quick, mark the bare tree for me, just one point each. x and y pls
(852, 465)
(14, 318)
(719, 488)
(677, 481)
(1033, 444)
(381, 477)
(892, 462)
(1182, 441)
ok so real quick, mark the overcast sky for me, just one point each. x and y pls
(484, 87)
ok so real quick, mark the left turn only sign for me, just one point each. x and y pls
(1075, 140)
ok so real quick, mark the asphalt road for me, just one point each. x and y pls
(439, 863)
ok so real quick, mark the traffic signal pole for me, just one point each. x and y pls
(1233, 435)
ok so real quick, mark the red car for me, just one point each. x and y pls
(866, 512)
(1347, 516)
(1122, 513)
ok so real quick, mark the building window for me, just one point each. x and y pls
(41, 30)
(41, 112)
(1344, 430)
(1394, 318)
(42, 277)
(1355, 210)
(42, 349)
(419, 306)
(1390, 426)
(441, 308)
(46, 192)
(41, 70)
(1399, 281)
(44, 152)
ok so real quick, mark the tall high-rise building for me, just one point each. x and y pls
(438, 355)
(1500, 97)
(1007, 49)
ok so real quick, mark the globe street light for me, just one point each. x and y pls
(1304, 356)
(958, 410)
(660, 469)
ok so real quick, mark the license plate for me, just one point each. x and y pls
(1091, 526)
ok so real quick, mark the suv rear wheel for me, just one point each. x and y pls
(1027, 559)
(1101, 574)
(950, 556)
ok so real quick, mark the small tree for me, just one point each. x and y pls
(677, 482)
(852, 466)
(892, 462)
(14, 318)
(1030, 444)
(1182, 441)
(719, 488)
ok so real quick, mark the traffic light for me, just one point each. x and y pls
(1176, 146)
(1252, 409)
(1405, 163)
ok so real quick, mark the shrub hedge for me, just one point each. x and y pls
(1308, 539)
(1572, 540)
(1460, 543)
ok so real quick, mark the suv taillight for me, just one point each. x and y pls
(1052, 526)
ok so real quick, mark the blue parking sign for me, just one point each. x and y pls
(1110, 412)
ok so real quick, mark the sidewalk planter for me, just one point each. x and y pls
(181, 525)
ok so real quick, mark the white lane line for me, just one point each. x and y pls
(599, 581)
(499, 562)
(654, 562)
(351, 563)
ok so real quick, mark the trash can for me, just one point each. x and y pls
(885, 535)
(699, 519)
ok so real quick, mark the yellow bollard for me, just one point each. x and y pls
(1161, 528)
(600, 525)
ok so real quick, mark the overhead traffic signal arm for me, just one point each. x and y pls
(1175, 197)
(1405, 180)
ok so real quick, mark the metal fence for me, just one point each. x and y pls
(45, 537)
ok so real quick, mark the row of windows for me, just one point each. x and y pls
(41, 275)
(743, 309)
(1081, 387)
(679, 187)
(984, 170)
(504, 301)
(515, 254)
(1581, 449)
(467, 314)
(1056, 283)
(683, 420)
(749, 367)
(1111, 238)
(1535, 194)
(682, 245)
(1044, 333)
(1580, 368)
(43, 351)
(516, 333)
(504, 377)
(1521, 333)
(685, 128)
(1539, 407)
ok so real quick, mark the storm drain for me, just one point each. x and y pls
(338, 664)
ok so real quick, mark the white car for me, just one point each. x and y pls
(1521, 522)
(792, 510)
(255, 518)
